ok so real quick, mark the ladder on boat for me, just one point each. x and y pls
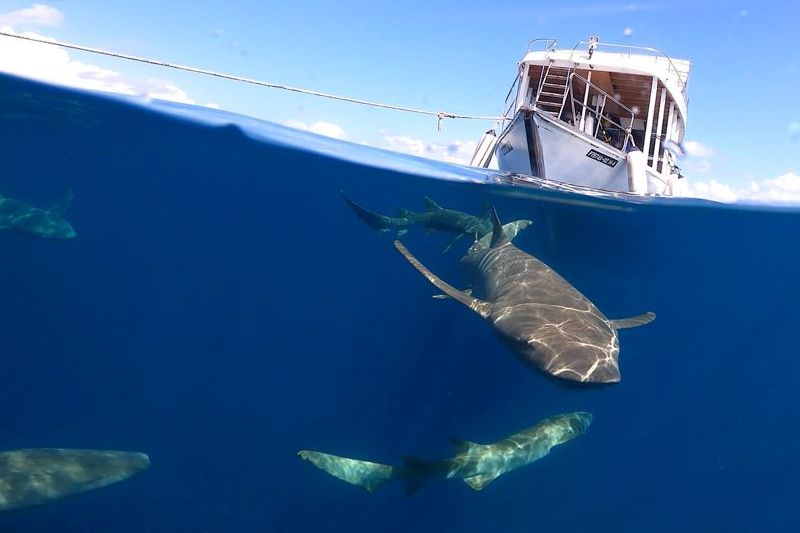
(553, 89)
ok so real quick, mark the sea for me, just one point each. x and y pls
(222, 307)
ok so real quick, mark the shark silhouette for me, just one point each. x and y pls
(43, 223)
(36, 476)
(476, 464)
(433, 217)
(546, 321)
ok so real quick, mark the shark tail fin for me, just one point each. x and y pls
(367, 474)
(479, 306)
(416, 471)
(374, 220)
(499, 236)
(634, 321)
(61, 206)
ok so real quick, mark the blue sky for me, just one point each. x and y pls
(744, 126)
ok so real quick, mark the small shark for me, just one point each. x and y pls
(433, 217)
(36, 476)
(475, 464)
(43, 223)
(544, 319)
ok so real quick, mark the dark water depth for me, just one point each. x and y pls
(222, 308)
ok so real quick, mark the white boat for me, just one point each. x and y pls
(604, 116)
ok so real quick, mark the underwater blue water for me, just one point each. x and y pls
(222, 308)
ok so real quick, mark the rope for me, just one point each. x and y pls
(440, 115)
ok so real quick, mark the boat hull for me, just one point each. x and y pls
(538, 145)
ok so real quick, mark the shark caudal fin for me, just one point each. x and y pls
(479, 306)
(416, 472)
(62, 205)
(634, 321)
(369, 475)
(382, 223)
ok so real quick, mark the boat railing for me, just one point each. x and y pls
(658, 55)
(601, 124)
(543, 45)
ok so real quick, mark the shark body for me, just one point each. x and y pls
(546, 321)
(475, 464)
(433, 218)
(43, 223)
(36, 476)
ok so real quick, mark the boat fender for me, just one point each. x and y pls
(637, 172)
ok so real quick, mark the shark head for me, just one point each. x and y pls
(44, 224)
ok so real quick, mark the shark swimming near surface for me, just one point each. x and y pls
(475, 464)
(43, 223)
(433, 217)
(546, 321)
(36, 476)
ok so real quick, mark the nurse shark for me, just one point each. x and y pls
(43, 223)
(475, 464)
(546, 321)
(36, 476)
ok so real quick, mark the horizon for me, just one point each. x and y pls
(721, 163)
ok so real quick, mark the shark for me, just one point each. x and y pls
(475, 464)
(433, 217)
(40, 475)
(544, 319)
(43, 223)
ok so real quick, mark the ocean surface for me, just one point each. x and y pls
(222, 308)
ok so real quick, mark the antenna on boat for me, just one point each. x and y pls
(593, 42)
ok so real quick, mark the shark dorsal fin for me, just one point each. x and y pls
(61, 206)
(430, 205)
(479, 306)
(480, 481)
(499, 237)
(634, 321)
(463, 446)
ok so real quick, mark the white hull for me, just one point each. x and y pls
(537, 145)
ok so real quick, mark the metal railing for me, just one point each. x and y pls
(682, 77)
(604, 122)
(548, 45)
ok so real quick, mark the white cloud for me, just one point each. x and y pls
(697, 149)
(453, 152)
(36, 15)
(328, 129)
(53, 64)
(627, 32)
(785, 189)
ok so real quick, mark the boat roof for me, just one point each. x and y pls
(593, 55)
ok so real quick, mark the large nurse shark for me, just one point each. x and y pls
(433, 217)
(36, 476)
(546, 321)
(475, 464)
(44, 223)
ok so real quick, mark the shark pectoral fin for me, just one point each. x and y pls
(634, 321)
(61, 206)
(480, 481)
(365, 474)
(402, 232)
(479, 306)
(447, 248)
